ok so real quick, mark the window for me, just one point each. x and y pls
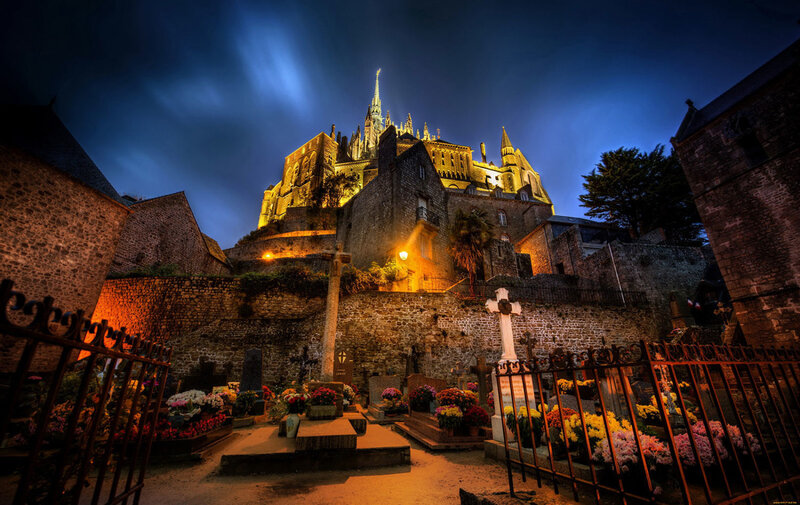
(470, 190)
(501, 218)
(560, 268)
(423, 250)
(523, 195)
(505, 238)
(421, 171)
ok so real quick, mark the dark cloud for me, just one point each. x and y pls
(209, 98)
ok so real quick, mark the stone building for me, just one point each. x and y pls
(61, 218)
(740, 154)
(164, 231)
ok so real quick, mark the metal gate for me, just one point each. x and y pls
(81, 402)
(656, 422)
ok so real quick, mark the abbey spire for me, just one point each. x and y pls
(507, 150)
(373, 122)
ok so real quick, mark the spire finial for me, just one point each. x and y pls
(376, 99)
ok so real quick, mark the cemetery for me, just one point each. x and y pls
(410, 321)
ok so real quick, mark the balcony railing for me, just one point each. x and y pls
(423, 214)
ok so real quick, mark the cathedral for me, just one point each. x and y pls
(328, 154)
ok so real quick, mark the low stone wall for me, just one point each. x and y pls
(199, 317)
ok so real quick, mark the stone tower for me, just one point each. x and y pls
(373, 122)
(507, 150)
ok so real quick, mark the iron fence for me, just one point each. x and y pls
(656, 422)
(554, 295)
(81, 402)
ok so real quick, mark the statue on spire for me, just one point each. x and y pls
(376, 99)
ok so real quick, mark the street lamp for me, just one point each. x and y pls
(403, 255)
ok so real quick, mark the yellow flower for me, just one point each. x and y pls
(595, 427)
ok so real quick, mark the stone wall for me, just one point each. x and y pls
(293, 244)
(58, 239)
(163, 230)
(743, 167)
(199, 317)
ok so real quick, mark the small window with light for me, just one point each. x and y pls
(501, 218)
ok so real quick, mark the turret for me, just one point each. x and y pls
(507, 150)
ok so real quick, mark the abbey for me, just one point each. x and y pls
(328, 154)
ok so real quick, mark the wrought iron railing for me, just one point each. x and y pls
(554, 295)
(656, 423)
(423, 214)
(81, 402)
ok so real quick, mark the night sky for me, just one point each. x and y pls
(209, 97)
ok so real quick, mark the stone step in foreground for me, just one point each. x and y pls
(330, 434)
(262, 451)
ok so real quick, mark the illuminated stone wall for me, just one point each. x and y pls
(200, 318)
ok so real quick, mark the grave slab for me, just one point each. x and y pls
(332, 434)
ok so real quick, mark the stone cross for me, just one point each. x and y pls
(305, 362)
(504, 309)
(530, 343)
(481, 369)
(459, 372)
(337, 259)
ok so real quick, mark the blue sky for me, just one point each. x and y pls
(208, 98)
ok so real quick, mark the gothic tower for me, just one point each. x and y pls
(507, 150)
(373, 122)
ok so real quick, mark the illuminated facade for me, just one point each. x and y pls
(329, 154)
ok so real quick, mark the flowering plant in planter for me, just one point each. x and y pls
(476, 416)
(421, 398)
(454, 396)
(672, 401)
(391, 394)
(323, 396)
(655, 451)
(213, 403)
(649, 413)
(296, 402)
(166, 431)
(586, 388)
(472, 386)
(269, 396)
(686, 453)
(536, 422)
(490, 399)
(595, 428)
(449, 417)
(244, 402)
(554, 417)
(186, 405)
(349, 393)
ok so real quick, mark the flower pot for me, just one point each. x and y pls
(474, 430)
(292, 423)
(322, 411)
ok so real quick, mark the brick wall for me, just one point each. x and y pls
(163, 230)
(199, 316)
(744, 169)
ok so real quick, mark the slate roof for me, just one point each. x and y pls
(577, 220)
(37, 131)
(214, 249)
(696, 119)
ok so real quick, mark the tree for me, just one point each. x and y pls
(642, 191)
(469, 236)
(333, 189)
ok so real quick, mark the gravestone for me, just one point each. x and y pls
(202, 377)
(460, 372)
(343, 368)
(417, 379)
(251, 371)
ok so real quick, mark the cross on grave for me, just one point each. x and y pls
(337, 259)
(481, 369)
(504, 309)
(305, 362)
(459, 371)
(530, 342)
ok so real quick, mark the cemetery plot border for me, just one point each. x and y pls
(671, 422)
(82, 402)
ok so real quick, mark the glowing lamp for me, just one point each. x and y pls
(267, 256)
(403, 255)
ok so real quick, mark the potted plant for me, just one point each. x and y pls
(526, 435)
(449, 418)
(349, 392)
(244, 403)
(421, 398)
(474, 418)
(323, 404)
(393, 403)
(296, 404)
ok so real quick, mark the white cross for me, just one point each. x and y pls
(504, 309)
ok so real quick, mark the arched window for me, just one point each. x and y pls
(523, 195)
(470, 190)
(422, 171)
(501, 218)
(312, 159)
(505, 238)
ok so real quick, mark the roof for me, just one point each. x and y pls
(504, 140)
(696, 119)
(577, 220)
(39, 132)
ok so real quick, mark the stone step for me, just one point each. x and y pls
(328, 434)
